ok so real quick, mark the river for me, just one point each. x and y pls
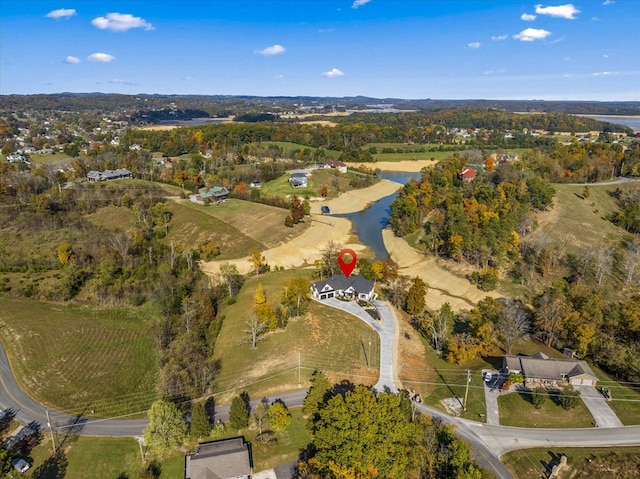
(632, 122)
(369, 223)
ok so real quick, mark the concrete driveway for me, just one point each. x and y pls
(598, 407)
(386, 329)
(491, 395)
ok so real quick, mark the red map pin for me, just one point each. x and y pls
(347, 268)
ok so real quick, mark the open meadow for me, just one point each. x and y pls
(325, 339)
(80, 360)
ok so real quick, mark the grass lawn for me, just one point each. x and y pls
(290, 147)
(516, 410)
(582, 462)
(105, 457)
(290, 442)
(41, 158)
(78, 359)
(437, 379)
(625, 397)
(318, 179)
(327, 339)
(261, 223)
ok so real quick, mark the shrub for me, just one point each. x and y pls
(538, 397)
(569, 398)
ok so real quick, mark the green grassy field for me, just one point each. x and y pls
(77, 359)
(237, 226)
(327, 339)
(290, 147)
(516, 410)
(625, 397)
(105, 457)
(530, 463)
(318, 179)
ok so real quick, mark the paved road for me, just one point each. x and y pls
(621, 180)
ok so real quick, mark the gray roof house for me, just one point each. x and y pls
(298, 180)
(94, 175)
(353, 287)
(539, 369)
(225, 459)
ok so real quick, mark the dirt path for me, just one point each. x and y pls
(443, 286)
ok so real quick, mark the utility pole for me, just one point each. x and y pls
(369, 355)
(53, 440)
(299, 383)
(466, 391)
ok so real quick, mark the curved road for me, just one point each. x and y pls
(490, 442)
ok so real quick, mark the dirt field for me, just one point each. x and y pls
(357, 200)
(405, 165)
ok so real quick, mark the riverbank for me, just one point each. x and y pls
(406, 166)
(357, 200)
(442, 285)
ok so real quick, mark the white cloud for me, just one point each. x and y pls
(272, 50)
(101, 57)
(604, 74)
(120, 22)
(72, 59)
(62, 13)
(608, 2)
(278, 77)
(567, 11)
(528, 17)
(605, 56)
(122, 82)
(473, 45)
(497, 38)
(532, 34)
(359, 3)
(187, 78)
(488, 72)
(334, 72)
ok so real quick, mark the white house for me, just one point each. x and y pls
(298, 180)
(339, 286)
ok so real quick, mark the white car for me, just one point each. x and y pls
(487, 376)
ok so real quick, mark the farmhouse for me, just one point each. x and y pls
(339, 286)
(225, 459)
(209, 195)
(336, 165)
(298, 180)
(467, 174)
(120, 173)
(540, 370)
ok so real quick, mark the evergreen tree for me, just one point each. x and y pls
(200, 425)
(318, 392)
(239, 412)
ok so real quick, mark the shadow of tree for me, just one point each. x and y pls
(55, 467)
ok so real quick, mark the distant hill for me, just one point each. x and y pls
(219, 105)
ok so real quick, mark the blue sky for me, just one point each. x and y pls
(584, 50)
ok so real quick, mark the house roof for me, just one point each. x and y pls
(540, 366)
(298, 175)
(339, 282)
(468, 173)
(229, 458)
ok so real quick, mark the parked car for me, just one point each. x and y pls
(488, 376)
(20, 464)
(325, 210)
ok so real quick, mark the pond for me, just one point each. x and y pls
(369, 223)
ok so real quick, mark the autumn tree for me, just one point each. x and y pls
(254, 331)
(66, 254)
(513, 324)
(259, 262)
(297, 209)
(438, 326)
(329, 264)
(279, 416)
(260, 414)
(359, 434)
(295, 296)
(416, 296)
(231, 278)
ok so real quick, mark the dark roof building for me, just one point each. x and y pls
(353, 287)
(539, 368)
(94, 175)
(225, 459)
